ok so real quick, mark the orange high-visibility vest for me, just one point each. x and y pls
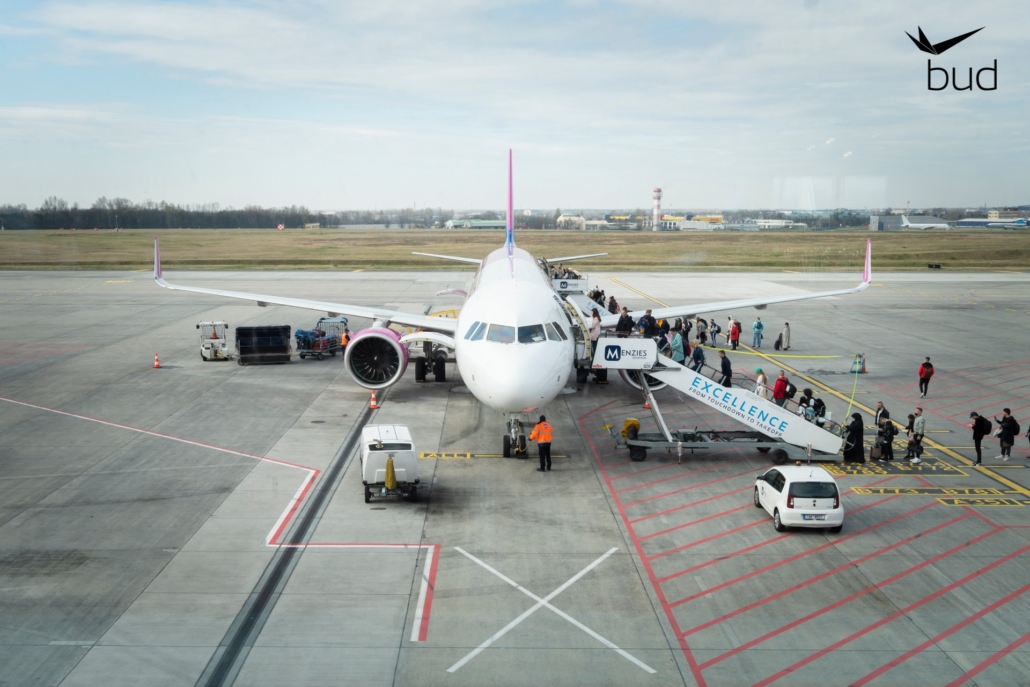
(541, 433)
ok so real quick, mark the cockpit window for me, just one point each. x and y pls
(561, 332)
(480, 331)
(501, 333)
(533, 333)
(472, 329)
(551, 334)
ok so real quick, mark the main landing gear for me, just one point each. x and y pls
(514, 440)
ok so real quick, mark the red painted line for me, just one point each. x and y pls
(759, 545)
(798, 556)
(980, 667)
(823, 576)
(640, 472)
(848, 599)
(688, 655)
(968, 401)
(749, 471)
(690, 505)
(713, 537)
(291, 509)
(890, 665)
(423, 631)
(695, 522)
(667, 479)
(893, 616)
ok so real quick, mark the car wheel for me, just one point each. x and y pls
(779, 456)
(837, 529)
(506, 446)
(413, 494)
(368, 495)
(581, 375)
(637, 454)
(320, 356)
(420, 369)
(758, 501)
(777, 523)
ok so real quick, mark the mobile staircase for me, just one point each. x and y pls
(770, 427)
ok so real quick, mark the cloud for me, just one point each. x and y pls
(847, 154)
(574, 87)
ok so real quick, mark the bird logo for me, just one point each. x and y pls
(925, 45)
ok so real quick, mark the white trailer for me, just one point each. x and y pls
(389, 464)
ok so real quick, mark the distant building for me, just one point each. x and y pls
(565, 221)
(476, 224)
(773, 224)
(1008, 213)
(596, 225)
(711, 219)
(974, 222)
(884, 222)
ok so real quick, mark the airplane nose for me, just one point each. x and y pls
(512, 383)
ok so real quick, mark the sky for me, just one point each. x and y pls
(794, 104)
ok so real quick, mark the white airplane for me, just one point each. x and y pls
(906, 223)
(513, 339)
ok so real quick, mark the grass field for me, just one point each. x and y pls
(391, 249)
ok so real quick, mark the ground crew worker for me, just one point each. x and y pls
(541, 434)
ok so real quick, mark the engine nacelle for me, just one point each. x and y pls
(375, 358)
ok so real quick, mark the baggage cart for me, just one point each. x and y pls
(262, 345)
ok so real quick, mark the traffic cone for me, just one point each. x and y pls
(373, 405)
(863, 363)
(157, 363)
(647, 404)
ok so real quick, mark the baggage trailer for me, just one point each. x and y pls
(772, 428)
(389, 464)
(266, 344)
(325, 339)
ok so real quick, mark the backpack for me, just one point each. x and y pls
(715, 329)
(790, 390)
(820, 407)
(987, 426)
(779, 342)
(1017, 430)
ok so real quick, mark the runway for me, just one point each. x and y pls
(203, 523)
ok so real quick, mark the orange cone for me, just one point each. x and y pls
(647, 404)
(157, 363)
(373, 405)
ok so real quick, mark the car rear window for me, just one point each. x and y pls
(813, 490)
(389, 446)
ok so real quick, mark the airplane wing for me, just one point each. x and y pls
(472, 261)
(551, 261)
(759, 302)
(437, 324)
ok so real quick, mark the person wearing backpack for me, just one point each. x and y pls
(757, 328)
(925, 372)
(713, 330)
(885, 437)
(981, 427)
(735, 334)
(1008, 428)
(780, 389)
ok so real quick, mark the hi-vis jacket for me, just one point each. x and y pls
(541, 433)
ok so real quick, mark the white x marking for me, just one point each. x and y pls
(540, 603)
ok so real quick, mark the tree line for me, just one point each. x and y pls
(121, 213)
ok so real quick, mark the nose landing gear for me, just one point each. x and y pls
(514, 440)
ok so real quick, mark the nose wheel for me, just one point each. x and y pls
(514, 441)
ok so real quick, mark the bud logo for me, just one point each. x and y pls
(612, 353)
(926, 46)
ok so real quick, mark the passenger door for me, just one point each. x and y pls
(768, 492)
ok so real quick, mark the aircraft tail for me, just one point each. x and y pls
(509, 239)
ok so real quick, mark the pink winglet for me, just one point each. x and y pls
(867, 275)
(157, 259)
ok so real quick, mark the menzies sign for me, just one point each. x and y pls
(625, 354)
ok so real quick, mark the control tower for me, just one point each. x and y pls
(657, 213)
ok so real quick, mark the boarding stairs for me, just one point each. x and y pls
(639, 356)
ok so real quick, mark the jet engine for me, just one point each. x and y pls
(375, 357)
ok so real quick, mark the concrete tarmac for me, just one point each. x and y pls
(137, 505)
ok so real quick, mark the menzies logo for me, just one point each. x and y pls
(613, 353)
(926, 46)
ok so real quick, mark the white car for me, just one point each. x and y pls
(800, 496)
(383, 445)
